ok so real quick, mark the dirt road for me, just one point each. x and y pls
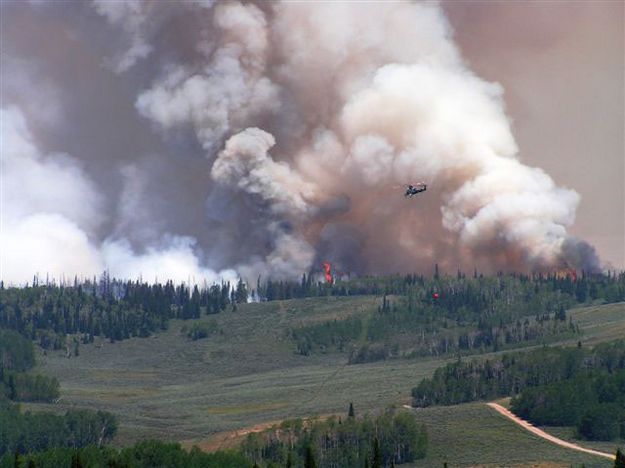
(534, 430)
(230, 439)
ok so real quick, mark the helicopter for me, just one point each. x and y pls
(413, 189)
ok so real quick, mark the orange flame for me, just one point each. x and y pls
(566, 273)
(327, 271)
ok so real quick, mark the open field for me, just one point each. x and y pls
(475, 435)
(169, 387)
(567, 434)
(549, 437)
(600, 323)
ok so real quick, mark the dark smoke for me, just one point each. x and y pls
(209, 140)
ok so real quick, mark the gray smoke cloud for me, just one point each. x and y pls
(271, 137)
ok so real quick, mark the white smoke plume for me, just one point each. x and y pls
(50, 211)
(48, 208)
(246, 165)
(132, 16)
(175, 261)
(228, 90)
(306, 117)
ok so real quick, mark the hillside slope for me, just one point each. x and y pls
(247, 372)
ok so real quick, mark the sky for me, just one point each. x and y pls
(562, 66)
(202, 140)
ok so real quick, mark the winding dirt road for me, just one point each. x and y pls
(534, 430)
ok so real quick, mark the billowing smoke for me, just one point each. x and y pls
(305, 117)
(50, 212)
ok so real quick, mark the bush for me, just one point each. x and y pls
(601, 422)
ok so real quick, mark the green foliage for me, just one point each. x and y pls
(510, 292)
(594, 403)
(376, 461)
(240, 293)
(145, 454)
(333, 335)
(31, 432)
(511, 373)
(470, 315)
(202, 330)
(16, 356)
(25, 387)
(110, 308)
(602, 422)
(346, 443)
(309, 458)
(16, 352)
(497, 306)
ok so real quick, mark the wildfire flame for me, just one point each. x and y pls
(327, 271)
(566, 273)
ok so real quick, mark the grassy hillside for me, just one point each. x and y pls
(600, 323)
(246, 373)
(475, 435)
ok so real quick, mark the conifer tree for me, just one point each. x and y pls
(309, 460)
(377, 454)
(76, 463)
(619, 461)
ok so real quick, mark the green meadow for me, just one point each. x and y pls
(248, 373)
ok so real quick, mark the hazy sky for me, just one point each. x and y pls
(210, 139)
(562, 66)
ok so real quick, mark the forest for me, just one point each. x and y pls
(577, 387)
(17, 356)
(442, 313)
(388, 439)
(144, 454)
(393, 437)
(453, 315)
(28, 432)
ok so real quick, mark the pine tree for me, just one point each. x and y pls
(619, 461)
(351, 413)
(76, 463)
(241, 292)
(377, 454)
(12, 389)
(309, 460)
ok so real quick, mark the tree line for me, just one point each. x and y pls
(594, 403)
(16, 357)
(463, 381)
(393, 437)
(23, 432)
(110, 308)
(118, 310)
(144, 454)
(455, 291)
(552, 386)
(498, 313)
